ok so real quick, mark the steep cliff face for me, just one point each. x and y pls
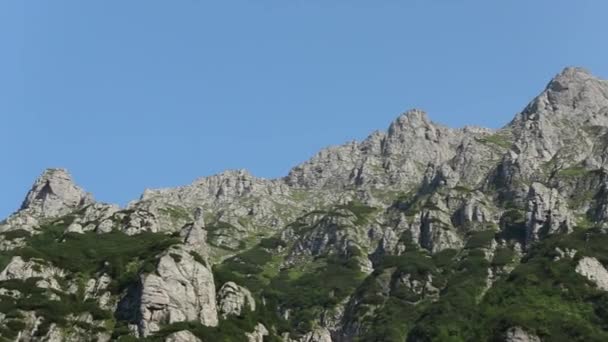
(419, 233)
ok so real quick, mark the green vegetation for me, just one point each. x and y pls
(454, 315)
(575, 171)
(416, 295)
(499, 140)
(463, 189)
(224, 235)
(52, 310)
(583, 222)
(543, 296)
(198, 258)
(272, 243)
(116, 253)
(5, 258)
(230, 330)
(581, 198)
(82, 256)
(175, 213)
(480, 239)
(310, 291)
(412, 205)
(361, 211)
(306, 289)
(547, 297)
(402, 313)
(415, 263)
(503, 256)
(392, 321)
(16, 234)
(176, 257)
(513, 225)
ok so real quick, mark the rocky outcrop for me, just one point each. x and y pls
(98, 290)
(257, 335)
(20, 269)
(180, 290)
(555, 121)
(54, 194)
(233, 299)
(548, 213)
(182, 336)
(435, 233)
(593, 270)
(317, 335)
(517, 334)
(397, 157)
(96, 217)
(237, 192)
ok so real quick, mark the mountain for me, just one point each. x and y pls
(420, 233)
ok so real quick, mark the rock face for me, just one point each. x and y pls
(258, 334)
(233, 299)
(399, 156)
(318, 335)
(547, 213)
(593, 270)
(180, 290)
(517, 334)
(182, 336)
(55, 194)
(20, 269)
(417, 233)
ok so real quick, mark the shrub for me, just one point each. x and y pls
(480, 239)
(176, 257)
(198, 258)
(361, 211)
(16, 234)
(272, 243)
(503, 256)
(90, 252)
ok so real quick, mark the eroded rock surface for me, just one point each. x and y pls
(593, 270)
(54, 194)
(233, 299)
(382, 239)
(180, 290)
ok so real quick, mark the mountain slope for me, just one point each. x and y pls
(420, 233)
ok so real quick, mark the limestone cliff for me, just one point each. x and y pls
(418, 233)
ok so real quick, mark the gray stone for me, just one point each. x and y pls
(593, 270)
(54, 194)
(517, 334)
(233, 299)
(182, 336)
(180, 290)
(257, 335)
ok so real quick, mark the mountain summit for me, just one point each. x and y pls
(418, 233)
(55, 194)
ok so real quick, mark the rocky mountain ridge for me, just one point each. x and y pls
(419, 233)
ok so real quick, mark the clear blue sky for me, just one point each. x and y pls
(129, 94)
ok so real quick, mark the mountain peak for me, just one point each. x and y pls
(568, 77)
(575, 95)
(415, 114)
(411, 119)
(54, 193)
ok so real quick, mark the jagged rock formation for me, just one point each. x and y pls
(182, 336)
(517, 334)
(180, 290)
(419, 233)
(233, 300)
(593, 270)
(55, 194)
